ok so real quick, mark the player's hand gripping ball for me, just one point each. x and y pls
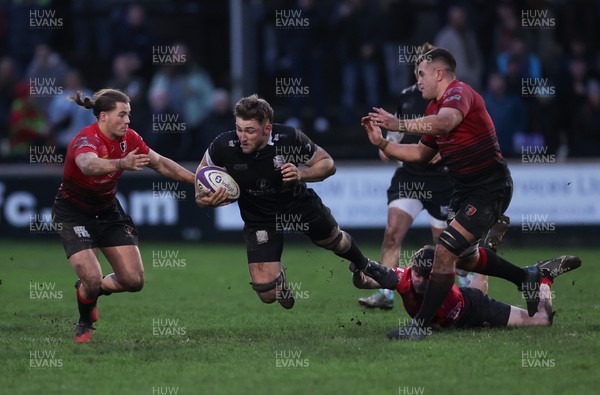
(211, 178)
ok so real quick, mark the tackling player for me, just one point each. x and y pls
(92, 218)
(462, 307)
(272, 164)
(457, 125)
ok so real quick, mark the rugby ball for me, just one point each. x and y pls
(211, 178)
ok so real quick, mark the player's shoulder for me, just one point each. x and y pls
(87, 137)
(284, 132)
(226, 140)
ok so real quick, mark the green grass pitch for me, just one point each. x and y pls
(198, 328)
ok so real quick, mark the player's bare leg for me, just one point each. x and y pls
(86, 265)
(480, 282)
(128, 275)
(543, 315)
(268, 280)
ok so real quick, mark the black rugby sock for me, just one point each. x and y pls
(492, 265)
(85, 307)
(354, 255)
(437, 290)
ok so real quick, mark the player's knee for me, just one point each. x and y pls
(92, 285)
(338, 243)
(453, 241)
(391, 238)
(134, 283)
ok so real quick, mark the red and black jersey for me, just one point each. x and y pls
(449, 312)
(471, 150)
(95, 193)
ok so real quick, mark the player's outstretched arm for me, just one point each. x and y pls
(415, 153)
(91, 165)
(169, 168)
(441, 123)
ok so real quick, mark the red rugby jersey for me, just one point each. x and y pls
(95, 193)
(451, 310)
(471, 149)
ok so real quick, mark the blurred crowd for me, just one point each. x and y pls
(536, 64)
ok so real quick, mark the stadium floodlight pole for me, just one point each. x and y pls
(236, 47)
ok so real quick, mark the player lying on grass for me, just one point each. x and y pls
(272, 164)
(463, 307)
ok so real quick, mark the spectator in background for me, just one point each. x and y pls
(571, 93)
(133, 35)
(124, 79)
(27, 124)
(218, 121)
(46, 75)
(188, 90)
(358, 31)
(508, 113)
(585, 133)
(304, 51)
(545, 120)
(65, 119)
(529, 64)
(398, 20)
(91, 27)
(460, 40)
(8, 84)
(22, 38)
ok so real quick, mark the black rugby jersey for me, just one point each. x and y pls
(262, 193)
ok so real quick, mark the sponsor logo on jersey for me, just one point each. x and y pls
(470, 210)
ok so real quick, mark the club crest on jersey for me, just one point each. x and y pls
(275, 137)
(278, 161)
(123, 145)
(470, 210)
(128, 230)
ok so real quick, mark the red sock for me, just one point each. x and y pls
(547, 281)
(481, 262)
(83, 300)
